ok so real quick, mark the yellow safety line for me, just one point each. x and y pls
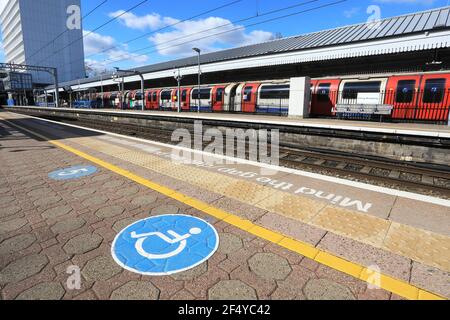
(387, 283)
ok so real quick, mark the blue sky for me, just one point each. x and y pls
(177, 41)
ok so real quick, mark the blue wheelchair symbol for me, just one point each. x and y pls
(165, 244)
(72, 172)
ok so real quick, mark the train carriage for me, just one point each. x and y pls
(407, 96)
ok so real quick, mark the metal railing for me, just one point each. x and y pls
(408, 106)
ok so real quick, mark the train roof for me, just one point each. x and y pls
(408, 24)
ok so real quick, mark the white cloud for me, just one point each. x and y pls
(150, 21)
(191, 30)
(95, 42)
(351, 12)
(107, 50)
(221, 34)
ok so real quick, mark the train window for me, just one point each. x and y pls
(138, 96)
(184, 95)
(351, 89)
(155, 96)
(205, 94)
(405, 91)
(434, 91)
(165, 95)
(219, 94)
(323, 92)
(275, 92)
(248, 94)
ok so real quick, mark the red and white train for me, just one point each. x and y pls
(410, 96)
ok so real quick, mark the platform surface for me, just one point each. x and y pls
(283, 233)
(416, 129)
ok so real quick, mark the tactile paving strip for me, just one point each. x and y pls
(430, 248)
(419, 245)
(368, 229)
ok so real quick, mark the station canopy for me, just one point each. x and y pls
(423, 30)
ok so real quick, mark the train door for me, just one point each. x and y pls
(138, 100)
(107, 99)
(230, 94)
(249, 97)
(434, 97)
(127, 99)
(165, 99)
(147, 99)
(402, 94)
(185, 99)
(324, 97)
(237, 102)
(218, 98)
(155, 99)
(120, 100)
(113, 100)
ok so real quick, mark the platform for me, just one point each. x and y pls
(408, 129)
(283, 233)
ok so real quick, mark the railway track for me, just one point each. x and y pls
(415, 177)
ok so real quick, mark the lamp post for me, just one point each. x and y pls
(199, 74)
(178, 77)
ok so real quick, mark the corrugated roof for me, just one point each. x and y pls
(435, 19)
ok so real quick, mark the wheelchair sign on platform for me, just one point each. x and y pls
(72, 172)
(166, 244)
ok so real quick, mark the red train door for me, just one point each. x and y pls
(402, 94)
(324, 97)
(186, 99)
(249, 97)
(155, 99)
(434, 97)
(147, 99)
(218, 97)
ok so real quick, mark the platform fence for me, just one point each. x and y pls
(392, 105)
(387, 106)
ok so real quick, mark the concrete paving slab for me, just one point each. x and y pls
(87, 244)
